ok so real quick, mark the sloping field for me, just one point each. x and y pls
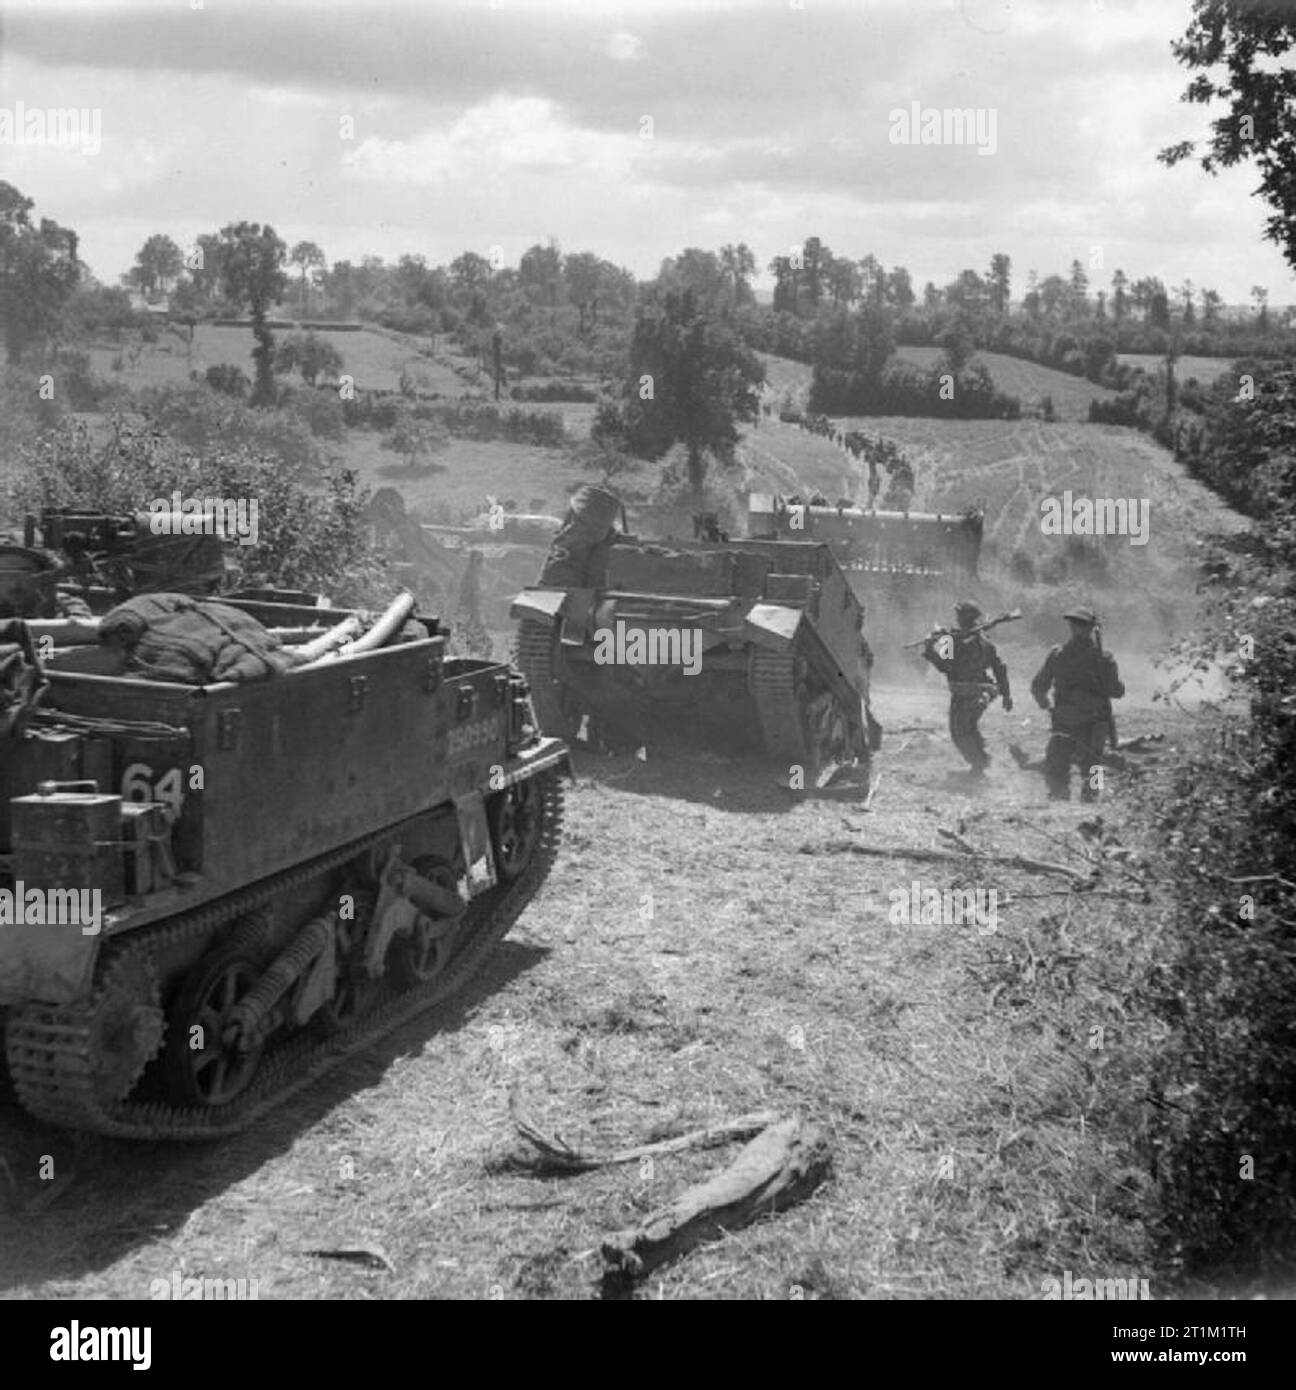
(374, 360)
(1030, 382)
(1009, 468)
(537, 479)
(1205, 369)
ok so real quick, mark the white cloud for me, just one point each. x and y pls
(504, 135)
(623, 47)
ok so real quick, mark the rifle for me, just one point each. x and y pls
(1010, 617)
(1111, 713)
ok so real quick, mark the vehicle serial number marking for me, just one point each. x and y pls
(475, 735)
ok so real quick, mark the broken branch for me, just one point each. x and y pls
(940, 856)
(555, 1155)
(783, 1164)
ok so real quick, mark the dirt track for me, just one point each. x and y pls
(698, 953)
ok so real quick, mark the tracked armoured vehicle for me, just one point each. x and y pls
(904, 565)
(751, 646)
(916, 545)
(287, 868)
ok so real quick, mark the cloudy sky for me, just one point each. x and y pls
(386, 126)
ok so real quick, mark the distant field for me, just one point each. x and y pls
(1027, 380)
(1009, 467)
(474, 470)
(1205, 369)
(375, 361)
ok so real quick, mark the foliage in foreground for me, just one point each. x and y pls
(309, 536)
(1224, 1133)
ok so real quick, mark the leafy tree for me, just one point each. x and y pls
(252, 259)
(38, 272)
(899, 289)
(699, 271)
(157, 263)
(470, 271)
(1120, 285)
(1186, 294)
(311, 355)
(1079, 287)
(414, 439)
(583, 273)
(204, 266)
(1250, 42)
(785, 284)
(691, 379)
(308, 258)
(813, 258)
(1054, 293)
(968, 292)
(540, 272)
(957, 343)
(873, 279)
(1000, 281)
(739, 263)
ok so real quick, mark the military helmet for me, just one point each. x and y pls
(1081, 615)
(967, 609)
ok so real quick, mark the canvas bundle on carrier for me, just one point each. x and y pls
(780, 664)
(300, 836)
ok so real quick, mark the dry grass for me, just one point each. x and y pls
(696, 955)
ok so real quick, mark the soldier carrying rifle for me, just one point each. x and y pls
(1084, 681)
(964, 656)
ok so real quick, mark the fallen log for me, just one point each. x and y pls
(943, 856)
(781, 1166)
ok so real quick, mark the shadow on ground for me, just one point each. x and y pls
(110, 1196)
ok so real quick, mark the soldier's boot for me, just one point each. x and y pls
(1057, 767)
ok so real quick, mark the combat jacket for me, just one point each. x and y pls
(1084, 680)
(973, 657)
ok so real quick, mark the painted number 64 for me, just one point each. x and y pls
(138, 785)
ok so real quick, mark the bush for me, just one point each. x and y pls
(201, 420)
(309, 537)
(555, 391)
(229, 380)
(322, 413)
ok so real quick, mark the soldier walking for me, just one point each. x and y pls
(1084, 681)
(964, 658)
